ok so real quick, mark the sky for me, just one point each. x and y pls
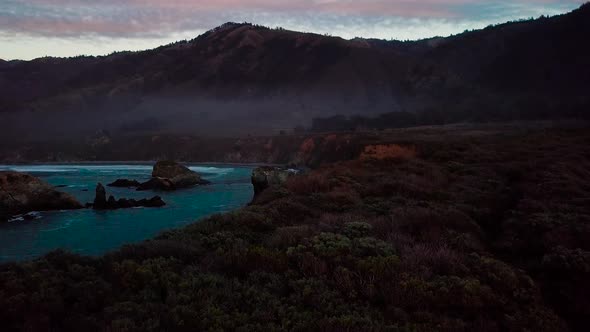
(36, 28)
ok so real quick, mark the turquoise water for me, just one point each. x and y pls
(90, 232)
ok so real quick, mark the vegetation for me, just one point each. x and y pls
(473, 231)
(231, 80)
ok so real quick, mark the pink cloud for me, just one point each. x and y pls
(405, 8)
(160, 17)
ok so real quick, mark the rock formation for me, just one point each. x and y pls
(157, 184)
(124, 183)
(22, 193)
(102, 203)
(264, 177)
(100, 199)
(169, 175)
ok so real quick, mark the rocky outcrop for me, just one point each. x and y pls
(169, 169)
(264, 177)
(159, 184)
(100, 198)
(169, 175)
(124, 183)
(102, 203)
(22, 193)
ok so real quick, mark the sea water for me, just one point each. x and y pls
(90, 232)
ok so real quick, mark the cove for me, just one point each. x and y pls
(89, 232)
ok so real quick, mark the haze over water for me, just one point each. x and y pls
(90, 232)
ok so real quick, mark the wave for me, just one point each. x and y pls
(35, 169)
(105, 168)
(59, 228)
(34, 215)
(211, 170)
(75, 168)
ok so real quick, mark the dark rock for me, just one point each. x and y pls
(21, 193)
(157, 184)
(179, 175)
(100, 203)
(124, 203)
(124, 183)
(169, 169)
(265, 177)
(61, 186)
(188, 180)
(100, 200)
(155, 201)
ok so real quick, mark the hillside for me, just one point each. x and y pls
(245, 79)
(446, 229)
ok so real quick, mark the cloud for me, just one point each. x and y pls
(148, 21)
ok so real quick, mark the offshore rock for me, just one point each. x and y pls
(169, 175)
(21, 193)
(101, 203)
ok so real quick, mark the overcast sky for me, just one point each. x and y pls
(35, 28)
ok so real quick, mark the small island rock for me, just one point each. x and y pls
(22, 193)
(124, 183)
(157, 184)
(169, 175)
(102, 203)
(100, 198)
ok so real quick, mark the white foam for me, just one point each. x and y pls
(74, 168)
(34, 215)
(211, 170)
(104, 168)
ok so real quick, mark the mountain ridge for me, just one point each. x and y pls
(246, 78)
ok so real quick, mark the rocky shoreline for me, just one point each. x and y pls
(21, 193)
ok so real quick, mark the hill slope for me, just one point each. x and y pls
(249, 79)
(432, 229)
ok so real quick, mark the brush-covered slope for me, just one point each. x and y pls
(242, 78)
(458, 229)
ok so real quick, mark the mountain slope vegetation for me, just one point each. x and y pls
(243, 78)
(454, 229)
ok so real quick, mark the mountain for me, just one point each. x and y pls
(243, 78)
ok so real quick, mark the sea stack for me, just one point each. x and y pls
(102, 203)
(22, 193)
(169, 175)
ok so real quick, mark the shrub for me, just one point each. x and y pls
(357, 229)
(388, 151)
(307, 184)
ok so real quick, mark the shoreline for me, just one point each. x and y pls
(135, 162)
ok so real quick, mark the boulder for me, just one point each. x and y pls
(160, 184)
(264, 177)
(169, 175)
(101, 203)
(111, 202)
(124, 183)
(169, 169)
(188, 180)
(22, 193)
(155, 201)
